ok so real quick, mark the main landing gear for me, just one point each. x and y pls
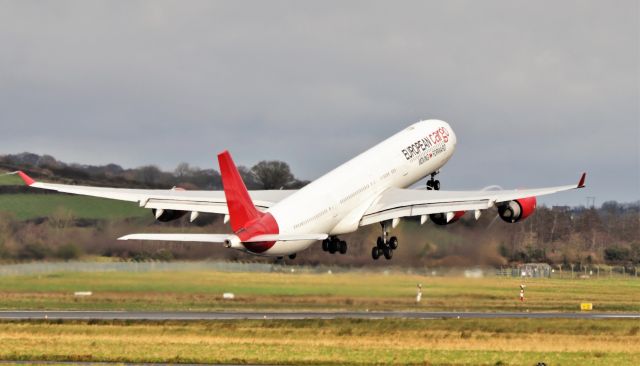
(432, 183)
(280, 260)
(334, 245)
(384, 245)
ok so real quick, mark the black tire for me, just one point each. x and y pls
(380, 242)
(375, 253)
(292, 256)
(429, 185)
(393, 243)
(388, 253)
(325, 245)
(333, 246)
(436, 185)
(343, 247)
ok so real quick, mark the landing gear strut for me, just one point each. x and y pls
(334, 245)
(432, 183)
(384, 245)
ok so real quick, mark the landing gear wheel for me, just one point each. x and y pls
(388, 253)
(375, 253)
(292, 256)
(342, 247)
(333, 246)
(432, 183)
(393, 243)
(380, 242)
(325, 245)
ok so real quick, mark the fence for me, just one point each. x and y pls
(596, 271)
(569, 271)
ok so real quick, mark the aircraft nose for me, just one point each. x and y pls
(452, 135)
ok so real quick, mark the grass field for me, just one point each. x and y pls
(10, 180)
(28, 206)
(202, 290)
(320, 342)
(335, 342)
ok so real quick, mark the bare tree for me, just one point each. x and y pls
(148, 174)
(272, 174)
(182, 170)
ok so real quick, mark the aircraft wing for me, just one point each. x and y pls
(396, 203)
(166, 199)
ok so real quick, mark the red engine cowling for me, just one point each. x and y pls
(517, 210)
(169, 215)
(441, 218)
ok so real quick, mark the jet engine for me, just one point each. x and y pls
(516, 210)
(446, 218)
(167, 215)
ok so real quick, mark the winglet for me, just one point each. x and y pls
(582, 179)
(27, 179)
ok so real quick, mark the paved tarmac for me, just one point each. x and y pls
(176, 315)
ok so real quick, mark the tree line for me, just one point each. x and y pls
(263, 175)
(609, 234)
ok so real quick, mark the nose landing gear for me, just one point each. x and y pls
(384, 245)
(432, 183)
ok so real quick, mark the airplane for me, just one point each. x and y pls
(368, 189)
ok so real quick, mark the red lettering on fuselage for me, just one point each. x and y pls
(435, 137)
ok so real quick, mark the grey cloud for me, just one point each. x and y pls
(536, 92)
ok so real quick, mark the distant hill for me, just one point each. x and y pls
(263, 175)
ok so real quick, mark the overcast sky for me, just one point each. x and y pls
(537, 92)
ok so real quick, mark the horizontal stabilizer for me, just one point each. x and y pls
(222, 238)
(286, 237)
(204, 238)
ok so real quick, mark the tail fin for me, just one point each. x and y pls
(241, 208)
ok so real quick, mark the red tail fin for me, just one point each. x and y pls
(241, 208)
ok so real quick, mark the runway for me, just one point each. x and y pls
(256, 315)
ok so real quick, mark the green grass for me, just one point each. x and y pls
(320, 342)
(28, 206)
(10, 180)
(331, 342)
(200, 290)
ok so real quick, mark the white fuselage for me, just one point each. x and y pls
(335, 202)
